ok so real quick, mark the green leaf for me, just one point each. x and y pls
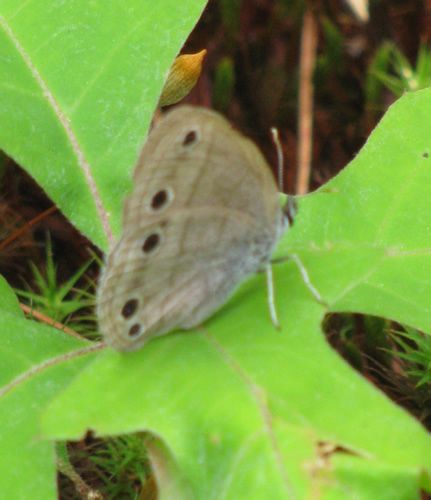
(9, 302)
(36, 363)
(370, 224)
(80, 81)
(243, 407)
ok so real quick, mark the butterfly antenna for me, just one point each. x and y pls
(280, 157)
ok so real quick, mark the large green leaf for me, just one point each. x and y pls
(365, 237)
(36, 363)
(79, 82)
(246, 410)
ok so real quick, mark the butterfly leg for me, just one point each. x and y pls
(307, 281)
(271, 296)
(304, 274)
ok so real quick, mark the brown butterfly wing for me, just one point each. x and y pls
(204, 213)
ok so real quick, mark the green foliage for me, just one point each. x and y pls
(393, 69)
(239, 409)
(374, 86)
(119, 464)
(56, 301)
(332, 58)
(417, 354)
(229, 10)
(224, 83)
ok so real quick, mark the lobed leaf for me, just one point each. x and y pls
(238, 409)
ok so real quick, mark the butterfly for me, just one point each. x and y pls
(204, 214)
